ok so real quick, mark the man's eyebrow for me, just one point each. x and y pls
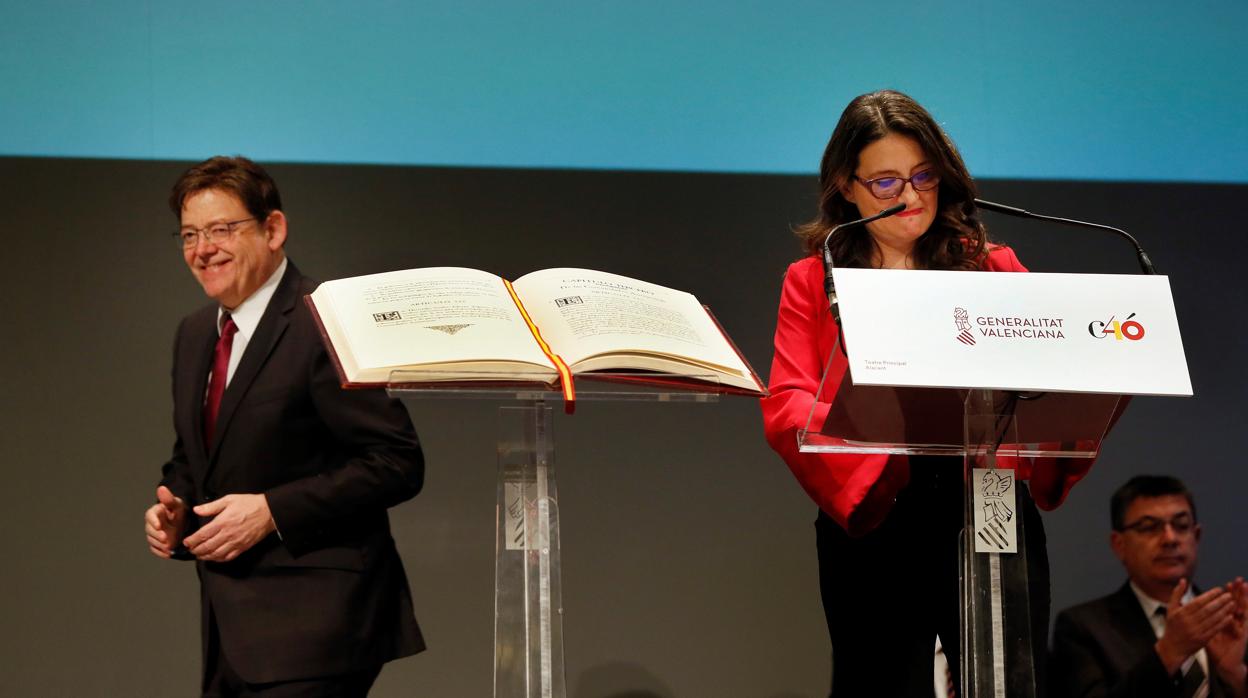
(209, 224)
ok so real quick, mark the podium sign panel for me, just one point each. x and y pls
(1091, 333)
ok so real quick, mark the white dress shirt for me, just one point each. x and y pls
(247, 317)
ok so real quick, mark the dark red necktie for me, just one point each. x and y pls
(220, 369)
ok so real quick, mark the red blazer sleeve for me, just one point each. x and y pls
(856, 490)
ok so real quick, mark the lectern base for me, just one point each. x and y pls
(528, 605)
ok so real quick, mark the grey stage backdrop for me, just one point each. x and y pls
(688, 549)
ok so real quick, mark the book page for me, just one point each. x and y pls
(584, 313)
(427, 316)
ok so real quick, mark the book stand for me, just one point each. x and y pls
(980, 426)
(528, 601)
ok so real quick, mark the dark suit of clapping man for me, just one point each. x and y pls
(1155, 636)
(282, 498)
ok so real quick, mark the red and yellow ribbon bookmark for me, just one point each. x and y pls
(565, 373)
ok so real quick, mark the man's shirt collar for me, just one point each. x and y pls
(248, 313)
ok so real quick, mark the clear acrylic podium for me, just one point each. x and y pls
(528, 607)
(981, 427)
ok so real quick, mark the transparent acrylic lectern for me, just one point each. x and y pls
(981, 427)
(528, 606)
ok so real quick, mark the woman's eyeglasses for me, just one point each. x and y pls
(891, 187)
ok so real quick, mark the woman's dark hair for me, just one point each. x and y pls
(237, 175)
(957, 238)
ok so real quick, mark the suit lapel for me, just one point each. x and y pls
(273, 324)
(1127, 608)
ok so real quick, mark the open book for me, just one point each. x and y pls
(457, 324)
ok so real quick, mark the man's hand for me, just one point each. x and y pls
(239, 521)
(1227, 647)
(1191, 626)
(164, 522)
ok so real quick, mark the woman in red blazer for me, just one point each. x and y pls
(888, 526)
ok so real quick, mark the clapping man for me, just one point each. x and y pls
(1157, 636)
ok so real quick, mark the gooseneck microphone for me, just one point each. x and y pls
(1146, 264)
(829, 286)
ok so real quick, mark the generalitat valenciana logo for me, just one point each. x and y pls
(963, 322)
(1007, 327)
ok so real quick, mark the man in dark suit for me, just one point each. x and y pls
(279, 481)
(1155, 636)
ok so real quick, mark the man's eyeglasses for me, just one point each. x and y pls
(891, 187)
(1152, 526)
(189, 238)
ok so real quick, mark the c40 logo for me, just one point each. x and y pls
(1127, 329)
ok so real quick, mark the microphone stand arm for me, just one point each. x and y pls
(1146, 264)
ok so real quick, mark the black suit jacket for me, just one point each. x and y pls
(328, 595)
(1105, 648)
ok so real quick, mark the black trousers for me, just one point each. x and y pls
(887, 594)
